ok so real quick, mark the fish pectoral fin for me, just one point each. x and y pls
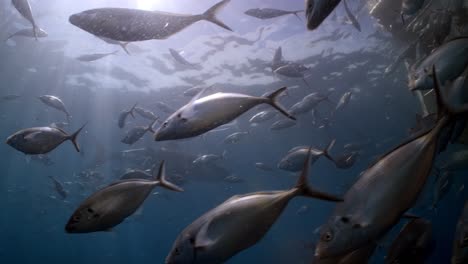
(32, 136)
(202, 240)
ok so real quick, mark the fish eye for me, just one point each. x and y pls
(327, 236)
(184, 119)
(177, 251)
(76, 218)
(165, 124)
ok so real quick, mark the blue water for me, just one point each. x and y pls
(33, 216)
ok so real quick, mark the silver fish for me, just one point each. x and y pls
(263, 116)
(344, 100)
(94, 56)
(41, 140)
(237, 224)
(413, 243)
(295, 157)
(124, 114)
(203, 114)
(128, 25)
(267, 13)
(263, 166)
(24, 8)
(29, 32)
(308, 103)
(385, 191)
(208, 159)
(451, 59)
(277, 59)
(318, 10)
(178, 58)
(235, 137)
(59, 188)
(293, 70)
(136, 133)
(10, 97)
(351, 17)
(282, 124)
(460, 242)
(110, 206)
(55, 102)
(146, 113)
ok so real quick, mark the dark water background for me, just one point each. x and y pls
(32, 220)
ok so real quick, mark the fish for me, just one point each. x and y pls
(263, 166)
(124, 114)
(317, 11)
(460, 241)
(344, 100)
(442, 186)
(208, 159)
(386, 190)
(457, 160)
(137, 133)
(277, 59)
(146, 114)
(308, 103)
(282, 124)
(351, 17)
(41, 140)
(55, 102)
(123, 45)
(128, 25)
(44, 159)
(235, 137)
(24, 8)
(111, 205)
(293, 71)
(267, 13)
(165, 108)
(30, 33)
(346, 160)
(412, 244)
(94, 56)
(451, 59)
(59, 188)
(233, 179)
(263, 116)
(203, 114)
(178, 58)
(238, 223)
(10, 97)
(358, 256)
(294, 159)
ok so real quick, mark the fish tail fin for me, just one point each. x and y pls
(210, 14)
(306, 82)
(272, 100)
(74, 136)
(10, 36)
(150, 127)
(327, 150)
(304, 189)
(124, 47)
(160, 177)
(132, 110)
(295, 13)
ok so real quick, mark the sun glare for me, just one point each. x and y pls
(147, 4)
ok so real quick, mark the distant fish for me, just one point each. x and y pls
(146, 113)
(24, 8)
(318, 10)
(308, 103)
(295, 157)
(267, 13)
(42, 158)
(41, 140)
(94, 56)
(413, 243)
(136, 133)
(235, 137)
(109, 206)
(55, 102)
(128, 25)
(346, 160)
(59, 188)
(124, 114)
(282, 124)
(237, 224)
(460, 241)
(263, 116)
(208, 159)
(9, 97)
(203, 114)
(293, 71)
(344, 100)
(177, 57)
(29, 32)
(123, 45)
(263, 166)
(351, 17)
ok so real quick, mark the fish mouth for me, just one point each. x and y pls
(73, 19)
(70, 229)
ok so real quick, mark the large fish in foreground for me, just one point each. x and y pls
(41, 140)
(110, 206)
(237, 224)
(460, 243)
(201, 115)
(24, 8)
(318, 10)
(123, 24)
(386, 190)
